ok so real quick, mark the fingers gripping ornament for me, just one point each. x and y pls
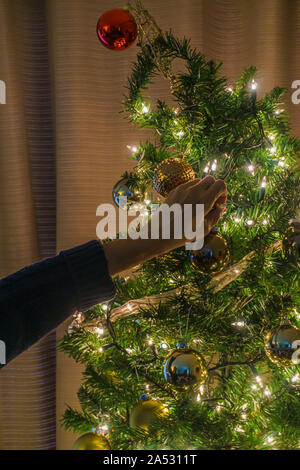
(117, 29)
(184, 367)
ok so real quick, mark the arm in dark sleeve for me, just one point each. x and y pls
(36, 299)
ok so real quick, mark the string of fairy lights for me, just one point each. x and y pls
(260, 390)
(145, 207)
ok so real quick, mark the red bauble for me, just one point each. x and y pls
(117, 29)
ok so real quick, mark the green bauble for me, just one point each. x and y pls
(145, 412)
(213, 256)
(280, 344)
(184, 367)
(91, 441)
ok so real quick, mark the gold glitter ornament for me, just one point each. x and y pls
(170, 173)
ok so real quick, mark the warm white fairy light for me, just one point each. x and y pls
(239, 429)
(258, 379)
(164, 346)
(132, 148)
(147, 387)
(237, 219)
(281, 162)
(297, 314)
(104, 427)
(296, 378)
(270, 440)
(218, 408)
(201, 389)
(129, 351)
(180, 134)
(239, 323)
(267, 392)
(251, 168)
(250, 222)
(99, 331)
(236, 271)
(150, 342)
(253, 85)
(129, 307)
(264, 222)
(100, 350)
(171, 281)
(105, 307)
(147, 201)
(229, 89)
(245, 406)
(198, 397)
(206, 169)
(176, 111)
(254, 387)
(145, 109)
(273, 149)
(263, 183)
(244, 416)
(214, 165)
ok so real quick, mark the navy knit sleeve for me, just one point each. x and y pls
(36, 299)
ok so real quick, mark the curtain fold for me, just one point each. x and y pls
(63, 145)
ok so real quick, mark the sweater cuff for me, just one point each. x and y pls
(89, 271)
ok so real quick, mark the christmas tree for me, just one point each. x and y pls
(200, 350)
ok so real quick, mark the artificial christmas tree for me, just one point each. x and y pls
(242, 399)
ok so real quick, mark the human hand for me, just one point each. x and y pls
(208, 191)
(124, 254)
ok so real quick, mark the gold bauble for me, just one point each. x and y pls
(184, 367)
(291, 240)
(145, 412)
(213, 256)
(279, 344)
(91, 441)
(170, 173)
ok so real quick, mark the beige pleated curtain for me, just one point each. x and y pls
(63, 144)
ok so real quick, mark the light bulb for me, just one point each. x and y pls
(145, 109)
(180, 134)
(253, 85)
